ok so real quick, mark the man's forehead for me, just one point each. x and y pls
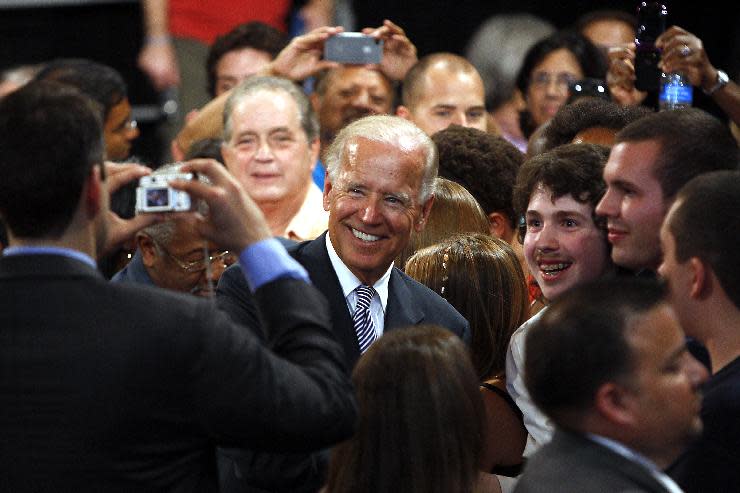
(369, 148)
(632, 159)
(279, 104)
(343, 77)
(267, 97)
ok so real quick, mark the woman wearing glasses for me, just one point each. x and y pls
(549, 68)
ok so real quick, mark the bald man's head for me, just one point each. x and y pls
(442, 89)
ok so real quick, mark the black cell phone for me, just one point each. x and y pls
(353, 48)
(651, 22)
(588, 87)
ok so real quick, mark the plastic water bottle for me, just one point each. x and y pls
(675, 91)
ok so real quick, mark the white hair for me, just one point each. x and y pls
(391, 130)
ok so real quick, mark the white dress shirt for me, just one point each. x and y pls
(349, 283)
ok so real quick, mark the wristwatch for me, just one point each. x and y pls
(722, 80)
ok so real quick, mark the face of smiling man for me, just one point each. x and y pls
(374, 205)
(562, 245)
(268, 150)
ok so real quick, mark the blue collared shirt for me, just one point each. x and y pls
(50, 250)
(633, 456)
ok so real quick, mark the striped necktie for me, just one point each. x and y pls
(364, 326)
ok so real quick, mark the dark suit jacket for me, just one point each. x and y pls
(571, 463)
(121, 387)
(409, 303)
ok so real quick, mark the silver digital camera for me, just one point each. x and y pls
(154, 193)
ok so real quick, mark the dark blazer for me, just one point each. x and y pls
(409, 302)
(122, 387)
(571, 463)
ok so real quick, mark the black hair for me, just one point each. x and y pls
(100, 82)
(581, 340)
(256, 35)
(705, 224)
(50, 138)
(692, 142)
(485, 164)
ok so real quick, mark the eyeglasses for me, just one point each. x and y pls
(126, 126)
(225, 257)
(541, 80)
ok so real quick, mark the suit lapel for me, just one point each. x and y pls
(315, 259)
(401, 311)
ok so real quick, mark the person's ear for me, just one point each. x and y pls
(613, 402)
(426, 208)
(519, 99)
(314, 149)
(500, 227)
(94, 191)
(701, 284)
(403, 112)
(147, 248)
(327, 190)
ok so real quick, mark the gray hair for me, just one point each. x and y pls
(391, 130)
(162, 232)
(509, 36)
(253, 85)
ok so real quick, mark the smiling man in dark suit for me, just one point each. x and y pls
(118, 387)
(378, 189)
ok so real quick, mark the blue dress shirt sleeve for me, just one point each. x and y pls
(267, 261)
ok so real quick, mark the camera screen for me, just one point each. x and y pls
(157, 197)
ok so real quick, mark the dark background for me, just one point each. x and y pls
(109, 31)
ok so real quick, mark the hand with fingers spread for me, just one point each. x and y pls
(234, 221)
(399, 53)
(121, 230)
(302, 57)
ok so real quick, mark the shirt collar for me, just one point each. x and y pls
(348, 281)
(633, 456)
(311, 219)
(50, 250)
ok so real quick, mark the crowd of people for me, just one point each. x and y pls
(430, 274)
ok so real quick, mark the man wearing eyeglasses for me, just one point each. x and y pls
(271, 143)
(172, 255)
(106, 86)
